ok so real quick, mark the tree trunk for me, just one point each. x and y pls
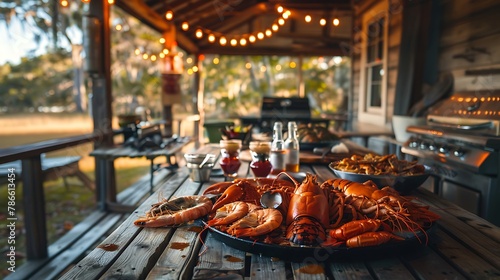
(79, 93)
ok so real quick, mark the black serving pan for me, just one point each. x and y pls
(322, 253)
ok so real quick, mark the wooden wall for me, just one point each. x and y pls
(470, 43)
(469, 46)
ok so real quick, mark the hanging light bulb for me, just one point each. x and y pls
(211, 38)
(280, 9)
(275, 27)
(185, 26)
(281, 21)
(322, 22)
(169, 15)
(252, 39)
(162, 40)
(199, 33)
(336, 21)
(153, 57)
(234, 42)
(243, 42)
(137, 51)
(307, 18)
(269, 32)
(111, 2)
(222, 41)
(260, 35)
(64, 3)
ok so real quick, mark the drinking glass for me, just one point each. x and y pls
(230, 157)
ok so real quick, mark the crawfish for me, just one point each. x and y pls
(308, 213)
(371, 239)
(368, 201)
(247, 190)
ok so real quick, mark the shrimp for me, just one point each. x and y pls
(176, 211)
(229, 213)
(257, 222)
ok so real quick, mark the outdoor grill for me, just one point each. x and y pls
(461, 143)
(283, 109)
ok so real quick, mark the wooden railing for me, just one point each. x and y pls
(33, 191)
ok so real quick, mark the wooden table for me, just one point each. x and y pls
(461, 246)
(172, 147)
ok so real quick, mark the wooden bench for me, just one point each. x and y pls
(52, 169)
(85, 235)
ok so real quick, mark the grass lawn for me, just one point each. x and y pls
(65, 206)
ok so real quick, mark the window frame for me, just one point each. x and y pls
(366, 112)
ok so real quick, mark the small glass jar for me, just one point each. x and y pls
(260, 165)
(230, 157)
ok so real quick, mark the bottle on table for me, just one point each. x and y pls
(292, 161)
(278, 151)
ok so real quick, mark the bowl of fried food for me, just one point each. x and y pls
(387, 170)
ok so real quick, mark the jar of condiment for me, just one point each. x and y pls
(230, 157)
(260, 165)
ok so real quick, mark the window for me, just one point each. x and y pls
(373, 67)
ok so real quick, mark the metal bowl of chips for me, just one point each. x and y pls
(404, 184)
(383, 171)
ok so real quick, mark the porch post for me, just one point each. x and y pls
(170, 76)
(97, 42)
(34, 209)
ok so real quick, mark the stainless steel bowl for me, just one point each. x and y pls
(402, 184)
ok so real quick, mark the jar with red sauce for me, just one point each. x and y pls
(260, 165)
(230, 157)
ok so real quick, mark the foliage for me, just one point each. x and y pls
(239, 91)
(42, 81)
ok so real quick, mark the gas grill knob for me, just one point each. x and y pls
(424, 145)
(432, 147)
(413, 144)
(459, 152)
(444, 149)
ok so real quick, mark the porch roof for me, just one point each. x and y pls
(240, 19)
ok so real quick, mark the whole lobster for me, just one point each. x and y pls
(308, 213)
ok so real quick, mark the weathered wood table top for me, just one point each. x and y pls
(461, 246)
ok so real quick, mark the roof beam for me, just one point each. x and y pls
(145, 14)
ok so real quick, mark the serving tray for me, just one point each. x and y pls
(322, 253)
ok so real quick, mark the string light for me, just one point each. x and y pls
(336, 22)
(308, 18)
(199, 33)
(322, 22)
(211, 38)
(169, 15)
(223, 41)
(185, 26)
(65, 3)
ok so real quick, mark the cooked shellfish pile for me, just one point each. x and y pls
(336, 212)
